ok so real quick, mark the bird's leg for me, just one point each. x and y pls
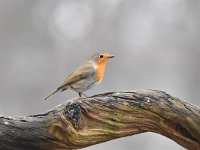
(83, 94)
(79, 93)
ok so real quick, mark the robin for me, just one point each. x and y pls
(90, 73)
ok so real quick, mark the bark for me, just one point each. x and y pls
(82, 122)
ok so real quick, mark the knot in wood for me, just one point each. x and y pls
(72, 112)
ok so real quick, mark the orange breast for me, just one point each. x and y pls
(100, 71)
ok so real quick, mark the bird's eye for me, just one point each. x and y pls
(101, 56)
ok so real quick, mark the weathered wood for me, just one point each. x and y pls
(86, 121)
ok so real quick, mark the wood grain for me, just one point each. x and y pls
(83, 122)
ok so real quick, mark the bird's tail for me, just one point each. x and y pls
(55, 91)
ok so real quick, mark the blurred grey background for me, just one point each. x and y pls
(156, 43)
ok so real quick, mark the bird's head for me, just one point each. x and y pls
(101, 58)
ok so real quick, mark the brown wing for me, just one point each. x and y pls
(84, 71)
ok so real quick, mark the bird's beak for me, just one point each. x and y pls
(111, 56)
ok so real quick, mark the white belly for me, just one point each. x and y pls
(85, 84)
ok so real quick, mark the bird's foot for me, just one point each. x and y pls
(79, 93)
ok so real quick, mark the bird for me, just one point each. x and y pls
(89, 74)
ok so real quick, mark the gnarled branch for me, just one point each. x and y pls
(88, 121)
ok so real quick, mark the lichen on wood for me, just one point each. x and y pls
(87, 121)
